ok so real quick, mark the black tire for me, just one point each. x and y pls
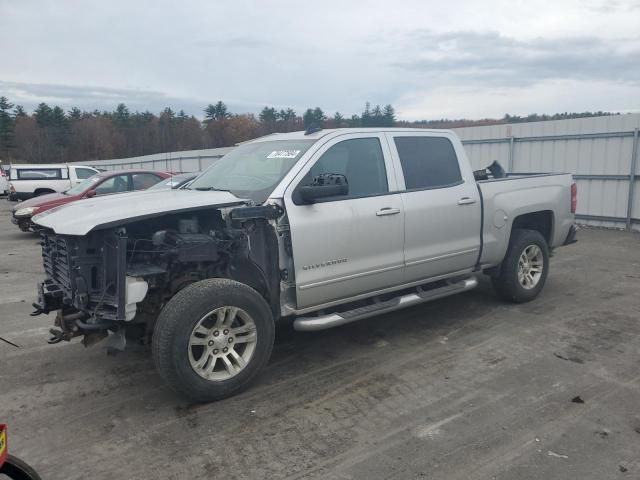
(17, 469)
(505, 281)
(170, 343)
(39, 193)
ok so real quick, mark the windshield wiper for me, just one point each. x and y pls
(210, 189)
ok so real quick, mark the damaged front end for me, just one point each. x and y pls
(114, 282)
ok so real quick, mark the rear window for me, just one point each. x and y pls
(38, 173)
(428, 162)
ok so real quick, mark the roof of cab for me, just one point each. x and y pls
(316, 135)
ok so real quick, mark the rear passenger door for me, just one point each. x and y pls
(441, 205)
(353, 244)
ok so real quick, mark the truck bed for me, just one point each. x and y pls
(505, 199)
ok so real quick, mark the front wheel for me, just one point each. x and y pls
(212, 339)
(525, 267)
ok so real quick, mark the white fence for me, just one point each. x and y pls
(601, 153)
(187, 161)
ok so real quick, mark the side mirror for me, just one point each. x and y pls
(324, 186)
(90, 194)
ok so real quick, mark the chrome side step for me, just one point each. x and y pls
(323, 322)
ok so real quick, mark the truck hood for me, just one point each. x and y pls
(79, 218)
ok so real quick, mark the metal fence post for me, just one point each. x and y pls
(199, 163)
(632, 177)
(511, 148)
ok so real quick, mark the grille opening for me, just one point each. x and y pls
(91, 251)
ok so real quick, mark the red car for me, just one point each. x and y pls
(104, 183)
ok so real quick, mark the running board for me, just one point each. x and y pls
(421, 295)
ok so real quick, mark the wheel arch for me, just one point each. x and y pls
(42, 191)
(541, 221)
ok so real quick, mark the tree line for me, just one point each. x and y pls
(50, 134)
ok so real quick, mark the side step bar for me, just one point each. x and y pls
(331, 320)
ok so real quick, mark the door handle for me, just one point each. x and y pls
(387, 211)
(466, 201)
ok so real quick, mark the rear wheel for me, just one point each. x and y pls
(525, 267)
(212, 339)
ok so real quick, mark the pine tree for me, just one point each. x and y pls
(43, 114)
(389, 115)
(338, 119)
(313, 118)
(268, 115)
(121, 116)
(74, 114)
(7, 127)
(18, 111)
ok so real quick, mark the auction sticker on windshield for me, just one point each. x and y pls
(284, 154)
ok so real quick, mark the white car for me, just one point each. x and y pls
(33, 180)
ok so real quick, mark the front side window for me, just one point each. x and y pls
(83, 186)
(360, 160)
(428, 162)
(117, 184)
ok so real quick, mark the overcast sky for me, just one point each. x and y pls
(430, 59)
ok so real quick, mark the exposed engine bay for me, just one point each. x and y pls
(116, 280)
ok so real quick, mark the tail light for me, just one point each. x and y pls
(574, 197)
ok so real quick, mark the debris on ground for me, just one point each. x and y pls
(577, 399)
(569, 359)
(623, 469)
(556, 455)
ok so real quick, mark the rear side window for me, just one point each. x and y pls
(361, 160)
(142, 181)
(38, 174)
(428, 162)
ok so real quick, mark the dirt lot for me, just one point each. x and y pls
(463, 388)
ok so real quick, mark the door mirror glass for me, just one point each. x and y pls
(324, 186)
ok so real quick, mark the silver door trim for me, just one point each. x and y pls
(349, 277)
(440, 257)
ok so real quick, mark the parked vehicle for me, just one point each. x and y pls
(179, 180)
(33, 180)
(104, 183)
(324, 227)
(4, 181)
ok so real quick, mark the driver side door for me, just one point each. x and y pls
(353, 244)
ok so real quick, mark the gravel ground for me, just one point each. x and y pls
(463, 388)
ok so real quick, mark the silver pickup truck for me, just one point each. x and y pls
(322, 227)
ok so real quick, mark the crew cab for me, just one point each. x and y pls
(322, 227)
(32, 180)
(103, 183)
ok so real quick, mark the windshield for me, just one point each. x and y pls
(83, 186)
(253, 170)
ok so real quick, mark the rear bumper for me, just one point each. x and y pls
(571, 236)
